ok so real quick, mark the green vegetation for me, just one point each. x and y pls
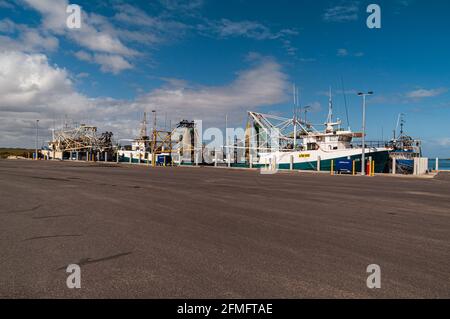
(5, 152)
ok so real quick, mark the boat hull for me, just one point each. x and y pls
(135, 157)
(309, 160)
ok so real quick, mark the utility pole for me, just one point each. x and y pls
(154, 133)
(37, 139)
(227, 152)
(363, 154)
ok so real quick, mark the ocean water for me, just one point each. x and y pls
(444, 164)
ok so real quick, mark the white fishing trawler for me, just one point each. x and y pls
(296, 143)
(140, 149)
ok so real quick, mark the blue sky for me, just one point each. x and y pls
(203, 59)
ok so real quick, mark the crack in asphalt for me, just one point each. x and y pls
(51, 236)
(88, 260)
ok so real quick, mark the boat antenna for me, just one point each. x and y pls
(295, 92)
(143, 131)
(402, 122)
(345, 102)
(330, 108)
(399, 118)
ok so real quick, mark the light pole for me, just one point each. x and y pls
(154, 137)
(363, 154)
(37, 140)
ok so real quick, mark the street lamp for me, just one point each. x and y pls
(37, 139)
(363, 154)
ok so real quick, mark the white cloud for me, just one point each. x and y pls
(96, 33)
(342, 52)
(82, 75)
(31, 88)
(263, 85)
(424, 93)
(150, 29)
(346, 11)
(28, 39)
(225, 28)
(112, 63)
(444, 142)
(29, 84)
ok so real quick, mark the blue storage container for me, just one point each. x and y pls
(344, 166)
(163, 159)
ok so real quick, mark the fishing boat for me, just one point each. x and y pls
(297, 144)
(404, 149)
(140, 149)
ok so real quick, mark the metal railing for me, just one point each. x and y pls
(370, 144)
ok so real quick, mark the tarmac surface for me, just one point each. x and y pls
(142, 232)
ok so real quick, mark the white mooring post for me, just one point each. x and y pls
(291, 162)
(131, 158)
(394, 166)
(437, 164)
(117, 156)
(250, 159)
(318, 163)
(215, 158)
(106, 156)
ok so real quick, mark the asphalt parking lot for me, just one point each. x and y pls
(141, 232)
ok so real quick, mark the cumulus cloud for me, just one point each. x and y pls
(29, 84)
(31, 88)
(265, 84)
(424, 93)
(95, 34)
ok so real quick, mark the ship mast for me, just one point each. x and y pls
(330, 108)
(143, 130)
(329, 123)
(295, 115)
